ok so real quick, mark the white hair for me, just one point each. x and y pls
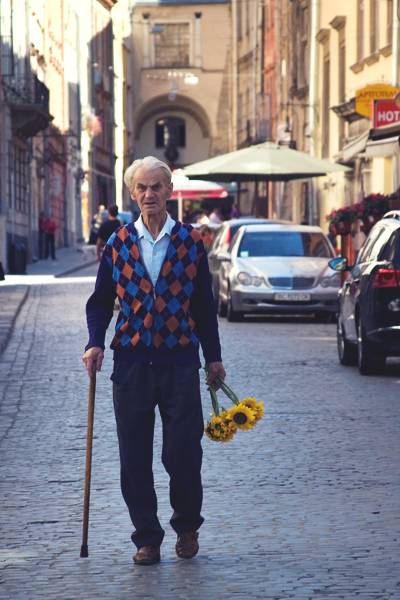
(148, 163)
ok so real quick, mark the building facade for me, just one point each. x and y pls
(182, 80)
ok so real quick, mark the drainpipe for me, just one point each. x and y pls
(235, 78)
(254, 77)
(395, 73)
(311, 100)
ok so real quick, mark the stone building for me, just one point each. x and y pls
(181, 80)
(64, 79)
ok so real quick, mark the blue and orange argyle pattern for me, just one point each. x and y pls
(160, 315)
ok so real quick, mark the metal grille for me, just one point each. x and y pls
(280, 282)
(303, 282)
(292, 283)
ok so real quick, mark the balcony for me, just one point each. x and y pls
(28, 99)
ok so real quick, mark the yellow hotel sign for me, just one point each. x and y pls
(364, 96)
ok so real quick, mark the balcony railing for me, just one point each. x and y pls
(25, 90)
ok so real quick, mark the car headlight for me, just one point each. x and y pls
(256, 281)
(333, 281)
(244, 278)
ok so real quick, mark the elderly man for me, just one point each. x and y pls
(158, 269)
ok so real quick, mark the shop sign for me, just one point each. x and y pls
(366, 95)
(386, 112)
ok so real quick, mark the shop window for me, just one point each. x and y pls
(170, 131)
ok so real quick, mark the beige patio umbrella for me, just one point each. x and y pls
(263, 162)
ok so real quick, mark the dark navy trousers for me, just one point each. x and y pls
(137, 389)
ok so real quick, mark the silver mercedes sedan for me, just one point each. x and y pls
(278, 269)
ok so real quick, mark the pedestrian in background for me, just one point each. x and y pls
(158, 268)
(49, 228)
(205, 233)
(95, 225)
(42, 218)
(236, 213)
(216, 215)
(107, 228)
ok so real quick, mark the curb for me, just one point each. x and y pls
(6, 325)
(77, 268)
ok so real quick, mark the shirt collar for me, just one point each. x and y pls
(143, 232)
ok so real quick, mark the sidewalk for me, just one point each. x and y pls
(15, 288)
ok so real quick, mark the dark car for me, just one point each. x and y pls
(368, 325)
(221, 243)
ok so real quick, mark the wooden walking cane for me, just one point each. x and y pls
(88, 471)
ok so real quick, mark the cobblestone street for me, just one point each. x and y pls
(304, 506)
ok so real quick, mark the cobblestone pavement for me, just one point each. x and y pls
(304, 506)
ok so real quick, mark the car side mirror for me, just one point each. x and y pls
(340, 264)
(224, 256)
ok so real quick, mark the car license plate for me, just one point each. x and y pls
(292, 297)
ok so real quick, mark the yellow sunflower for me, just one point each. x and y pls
(228, 435)
(242, 417)
(226, 421)
(215, 429)
(259, 411)
(250, 403)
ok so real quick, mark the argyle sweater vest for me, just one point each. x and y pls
(159, 314)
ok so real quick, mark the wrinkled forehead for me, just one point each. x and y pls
(149, 177)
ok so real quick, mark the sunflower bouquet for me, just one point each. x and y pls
(242, 415)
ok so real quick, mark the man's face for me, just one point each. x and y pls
(151, 191)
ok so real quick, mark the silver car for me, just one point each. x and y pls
(278, 269)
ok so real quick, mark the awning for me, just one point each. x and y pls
(384, 147)
(356, 146)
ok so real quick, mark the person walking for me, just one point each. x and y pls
(49, 229)
(158, 268)
(107, 228)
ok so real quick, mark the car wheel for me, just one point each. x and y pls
(369, 360)
(233, 315)
(347, 352)
(222, 308)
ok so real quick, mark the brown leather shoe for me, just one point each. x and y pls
(187, 545)
(147, 555)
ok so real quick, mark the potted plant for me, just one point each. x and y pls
(342, 218)
(375, 206)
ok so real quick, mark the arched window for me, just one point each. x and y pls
(170, 131)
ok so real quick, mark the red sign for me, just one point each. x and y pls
(386, 112)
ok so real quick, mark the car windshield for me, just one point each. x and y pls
(283, 243)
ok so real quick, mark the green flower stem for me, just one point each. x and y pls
(227, 390)
(224, 387)
(214, 400)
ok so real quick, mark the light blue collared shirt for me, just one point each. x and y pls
(153, 251)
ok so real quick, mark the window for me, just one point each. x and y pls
(389, 22)
(170, 131)
(360, 29)
(7, 66)
(172, 45)
(325, 109)
(303, 71)
(379, 244)
(366, 248)
(239, 20)
(18, 178)
(374, 26)
(342, 90)
(284, 243)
